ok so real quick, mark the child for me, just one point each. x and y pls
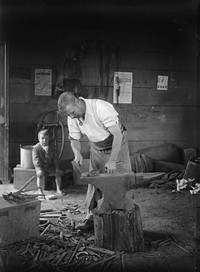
(45, 160)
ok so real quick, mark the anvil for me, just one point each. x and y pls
(118, 188)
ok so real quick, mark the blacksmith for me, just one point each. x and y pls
(109, 152)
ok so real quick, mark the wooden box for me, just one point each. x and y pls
(18, 221)
(192, 170)
(22, 175)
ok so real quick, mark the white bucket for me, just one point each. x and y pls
(26, 156)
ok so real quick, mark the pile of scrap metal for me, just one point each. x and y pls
(168, 180)
(59, 248)
(188, 184)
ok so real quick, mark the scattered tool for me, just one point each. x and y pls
(74, 253)
(20, 195)
(77, 170)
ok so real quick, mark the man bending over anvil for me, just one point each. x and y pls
(98, 120)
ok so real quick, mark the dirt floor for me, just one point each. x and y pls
(169, 226)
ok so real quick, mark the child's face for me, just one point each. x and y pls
(43, 139)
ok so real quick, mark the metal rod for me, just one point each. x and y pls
(74, 253)
(100, 262)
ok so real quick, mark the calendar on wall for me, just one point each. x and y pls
(122, 91)
(162, 83)
(43, 82)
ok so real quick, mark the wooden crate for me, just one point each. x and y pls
(18, 221)
(192, 170)
(22, 175)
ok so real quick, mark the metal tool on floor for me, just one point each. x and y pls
(21, 194)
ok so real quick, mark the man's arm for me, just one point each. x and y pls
(116, 145)
(76, 148)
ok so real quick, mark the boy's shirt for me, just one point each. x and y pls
(44, 158)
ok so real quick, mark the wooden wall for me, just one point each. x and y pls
(147, 50)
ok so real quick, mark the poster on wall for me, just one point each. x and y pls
(162, 83)
(43, 82)
(122, 91)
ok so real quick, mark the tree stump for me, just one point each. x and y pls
(119, 230)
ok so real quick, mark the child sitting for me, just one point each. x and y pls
(45, 160)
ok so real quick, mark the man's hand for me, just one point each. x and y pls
(110, 167)
(76, 147)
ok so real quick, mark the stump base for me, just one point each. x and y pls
(119, 230)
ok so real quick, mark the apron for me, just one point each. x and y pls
(99, 156)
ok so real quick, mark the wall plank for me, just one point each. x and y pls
(148, 50)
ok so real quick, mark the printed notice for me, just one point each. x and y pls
(122, 91)
(162, 83)
(43, 82)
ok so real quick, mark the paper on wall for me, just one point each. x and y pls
(43, 82)
(162, 83)
(123, 86)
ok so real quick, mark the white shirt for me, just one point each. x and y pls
(99, 116)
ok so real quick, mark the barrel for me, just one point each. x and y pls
(26, 156)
